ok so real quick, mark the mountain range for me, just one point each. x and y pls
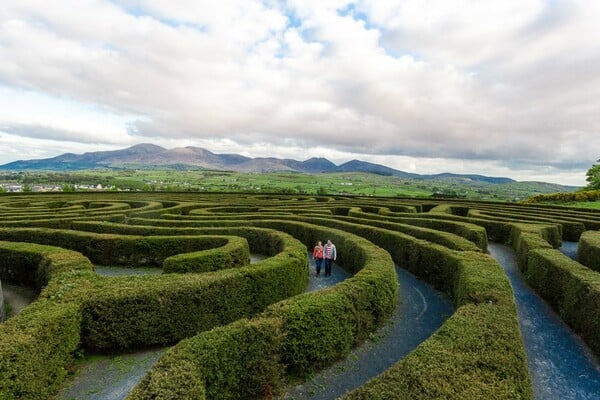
(152, 156)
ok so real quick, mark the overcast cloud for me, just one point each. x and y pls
(498, 88)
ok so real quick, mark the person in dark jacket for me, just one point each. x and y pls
(329, 255)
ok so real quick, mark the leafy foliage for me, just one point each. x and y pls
(593, 177)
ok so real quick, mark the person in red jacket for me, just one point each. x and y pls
(318, 256)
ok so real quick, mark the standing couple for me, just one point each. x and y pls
(327, 253)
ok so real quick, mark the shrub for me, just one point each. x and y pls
(588, 252)
(570, 288)
(36, 346)
(337, 318)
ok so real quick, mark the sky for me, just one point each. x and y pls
(500, 88)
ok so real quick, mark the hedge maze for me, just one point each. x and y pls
(237, 330)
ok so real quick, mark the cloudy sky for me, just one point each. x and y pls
(504, 88)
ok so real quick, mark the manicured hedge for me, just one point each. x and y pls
(336, 319)
(588, 252)
(237, 361)
(391, 210)
(112, 249)
(571, 230)
(526, 237)
(487, 360)
(461, 227)
(125, 312)
(33, 265)
(260, 240)
(2, 310)
(36, 346)
(60, 220)
(447, 239)
(235, 253)
(570, 288)
(139, 311)
(450, 240)
(476, 354)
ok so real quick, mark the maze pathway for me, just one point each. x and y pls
(113, 377)
(560, 365)
(109, 377)
(240, 331)
(421, 311)
(17, 297)
(569, 249)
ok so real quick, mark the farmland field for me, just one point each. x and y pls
(228, 328)
(352, 183)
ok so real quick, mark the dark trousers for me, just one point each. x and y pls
(328, 262)
(318, 264)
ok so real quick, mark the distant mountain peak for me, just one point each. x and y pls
(146, 147)
(147, 154)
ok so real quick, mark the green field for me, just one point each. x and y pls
(355, 183)
(581, 204)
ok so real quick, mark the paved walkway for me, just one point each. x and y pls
(560, 365)
(104, 377)
(421, 311)
(569, 249)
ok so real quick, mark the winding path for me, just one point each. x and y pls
(421, 311)
(560, 365)
(113, 377)
(570, 249)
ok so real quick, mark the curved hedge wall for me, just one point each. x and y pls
(316, 329)
(243, 331)
(37, 345)
(588, 252)
(126, 312)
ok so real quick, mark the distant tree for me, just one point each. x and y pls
(593, 177)
(2, 189)
(26, 188)
(68, 188)
(321, 191)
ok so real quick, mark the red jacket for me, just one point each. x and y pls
(318, 252)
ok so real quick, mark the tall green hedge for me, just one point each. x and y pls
(236, 253)
(476, 354)
(571, 289)
(458, 225)
(80, 308)
(114, 249)
(36, 346)
(588, 252)
(337, 318)
(479, 349)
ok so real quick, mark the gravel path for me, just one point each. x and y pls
(560, 365)
(322, 282)
(120, 271)
(254, 258)
(17, 297)
(109, 377)
(569, 249)
(421, 311)
(113, 377)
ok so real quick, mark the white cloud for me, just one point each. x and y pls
(500, 83)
